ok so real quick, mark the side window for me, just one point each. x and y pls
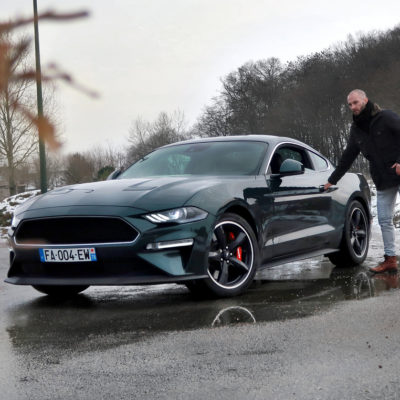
(289, 152)
(319, 163)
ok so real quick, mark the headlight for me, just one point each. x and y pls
(177, 215)
(14, 222)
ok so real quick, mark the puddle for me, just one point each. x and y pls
(111, 316)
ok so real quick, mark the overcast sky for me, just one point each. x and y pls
(148, 56)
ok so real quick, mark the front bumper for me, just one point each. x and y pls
(121, 264)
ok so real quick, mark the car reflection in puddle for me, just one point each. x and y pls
(111, 316)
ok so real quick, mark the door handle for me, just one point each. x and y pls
(329, 190)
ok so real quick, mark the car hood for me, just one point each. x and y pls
(141, 194)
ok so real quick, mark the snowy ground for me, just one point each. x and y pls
(7, 207)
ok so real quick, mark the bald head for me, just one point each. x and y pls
(358, 92)
(357, 100)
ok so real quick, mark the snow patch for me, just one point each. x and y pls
(7, 207)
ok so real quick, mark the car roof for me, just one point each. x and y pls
(271, 139)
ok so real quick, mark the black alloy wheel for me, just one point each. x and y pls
(355, 241)
(232, 258)
(358, 232)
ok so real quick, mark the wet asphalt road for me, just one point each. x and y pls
(307, 331)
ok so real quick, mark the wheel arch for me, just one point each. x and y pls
(364, 203)
(245, 214)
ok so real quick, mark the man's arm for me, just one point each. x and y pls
(346, 160)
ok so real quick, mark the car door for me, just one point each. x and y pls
(301, 212)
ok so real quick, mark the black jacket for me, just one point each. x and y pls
(381, 147)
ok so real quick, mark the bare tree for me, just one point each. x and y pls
(78, 169)
(216, 120)
(17, 132)
(55, 167)
(10, 54)
(146, 136)
(105, 158)
(17, 118)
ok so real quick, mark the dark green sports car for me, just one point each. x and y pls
(206, 213)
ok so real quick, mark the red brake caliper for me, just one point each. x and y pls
(239, 253)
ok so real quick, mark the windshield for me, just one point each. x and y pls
(207, 158)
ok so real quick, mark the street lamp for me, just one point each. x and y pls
(42, 150)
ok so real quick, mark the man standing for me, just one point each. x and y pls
(376, 134)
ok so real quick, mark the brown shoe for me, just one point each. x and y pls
(390, 264)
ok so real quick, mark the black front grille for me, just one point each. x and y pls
(75, 230)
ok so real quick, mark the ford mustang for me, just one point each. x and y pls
(207, 213)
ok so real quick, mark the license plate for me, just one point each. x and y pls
(84, 254)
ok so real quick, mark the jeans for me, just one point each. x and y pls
(386, 200)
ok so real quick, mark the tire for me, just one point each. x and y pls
(355, 239)
(60, 291)
(233, 258)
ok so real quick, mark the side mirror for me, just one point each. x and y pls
(114, 174)
(291, 167)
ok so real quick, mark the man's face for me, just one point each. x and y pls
(356, 103)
